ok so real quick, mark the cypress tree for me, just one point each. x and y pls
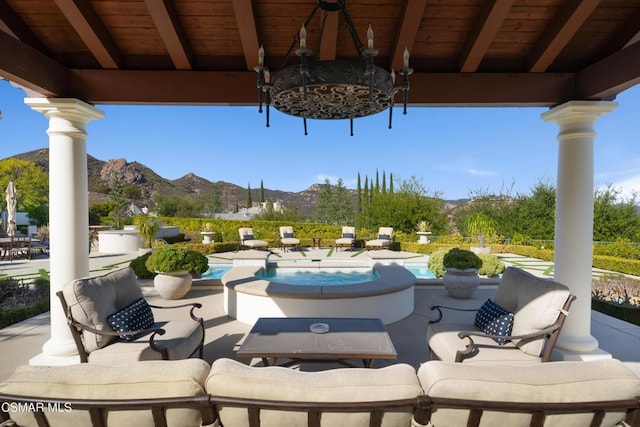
(249, 202)
(384, 182)
(391, 183)
(359, 200)
(262, 200)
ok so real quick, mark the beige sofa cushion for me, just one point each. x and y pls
(93, 299)
(151, 379)
(598, 380)
(536, 303)
(230, 378)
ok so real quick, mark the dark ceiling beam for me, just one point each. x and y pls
(559, 32)
(482, 33)
(16, 26)
(408, 30)
(627, 32)
(606, 78)
(31, 69)
(248, 34)
(165, 17)
(330, 37)
(92, 31)
(238, 88)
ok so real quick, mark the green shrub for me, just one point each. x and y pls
(171, 258)
(435, 262)
(491, 265)
(139, 267)
(461, 259)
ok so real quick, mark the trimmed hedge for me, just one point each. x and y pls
(18, 314)
(623, 312)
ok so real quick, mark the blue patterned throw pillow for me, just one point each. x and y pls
(135, 317)
(494, 320)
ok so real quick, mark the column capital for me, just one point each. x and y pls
(69, 108)
(573, 111)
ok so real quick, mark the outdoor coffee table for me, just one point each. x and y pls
(273, 338)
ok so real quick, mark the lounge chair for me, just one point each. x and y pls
(248, 239)
(519, 325)
(384, 240)
(348, 238)
(288, 238)
(112, 324)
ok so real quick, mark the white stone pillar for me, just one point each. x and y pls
(574, 219)
(68, 212)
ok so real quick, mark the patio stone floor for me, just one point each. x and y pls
(24, 340)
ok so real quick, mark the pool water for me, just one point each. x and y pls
(320, 276)
(421, 271)
(216, 271)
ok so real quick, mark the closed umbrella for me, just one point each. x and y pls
(12, 205)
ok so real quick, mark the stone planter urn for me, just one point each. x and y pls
(207, 237)
(461, 283)
(173, 285)
(423, 237)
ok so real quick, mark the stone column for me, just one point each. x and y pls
(68, 212)
(574, 220)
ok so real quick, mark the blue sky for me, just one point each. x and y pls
(455, 152)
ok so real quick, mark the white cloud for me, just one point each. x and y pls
(628, 186)
(479, 172)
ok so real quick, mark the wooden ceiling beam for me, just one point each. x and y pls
(16, 26)
(626, 34)
(606, 78)
(484, 30)
(246, 21)
(238, 88)
(408, 30)
(329, 44)
(559, 32)
(92, 31)
(31, 69)
(165, 17)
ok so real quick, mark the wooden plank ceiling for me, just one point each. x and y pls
(464, 52)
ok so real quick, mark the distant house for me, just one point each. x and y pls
(248, 213)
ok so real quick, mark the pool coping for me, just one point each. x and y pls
(244, 279)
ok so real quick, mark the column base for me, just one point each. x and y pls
(567, 355)
(43, 359)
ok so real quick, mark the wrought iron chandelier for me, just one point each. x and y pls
(331, 89)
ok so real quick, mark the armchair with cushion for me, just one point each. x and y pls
(347, 238)
(288, 238)
(248, 239)
(384, 240)
(520, 324)
(112, 324)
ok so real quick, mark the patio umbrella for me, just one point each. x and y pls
(11, 209)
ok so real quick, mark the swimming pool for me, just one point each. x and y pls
(421, 271)
(216, 271)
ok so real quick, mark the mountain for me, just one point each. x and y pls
(102, 173)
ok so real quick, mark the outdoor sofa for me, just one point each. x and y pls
(190, 393)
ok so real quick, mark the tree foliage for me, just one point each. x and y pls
(409, 204)
(334, 204)
(31, 181)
